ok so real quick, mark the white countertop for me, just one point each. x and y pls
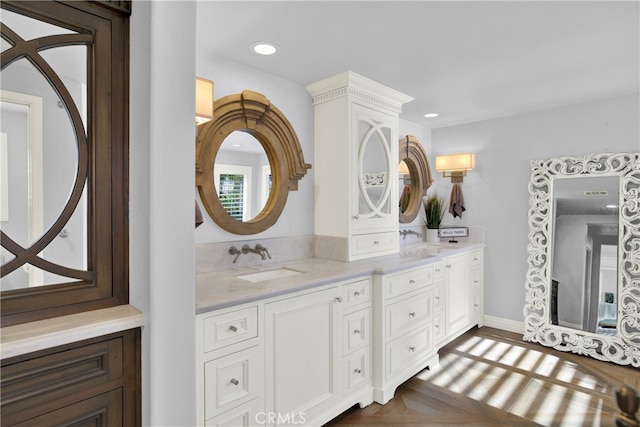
(33, 336)
(221, 289)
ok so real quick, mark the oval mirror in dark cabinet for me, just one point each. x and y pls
(63, 213)
(64, 116)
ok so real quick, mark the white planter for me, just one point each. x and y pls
(432, 235)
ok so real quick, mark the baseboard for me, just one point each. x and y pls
(504, 324)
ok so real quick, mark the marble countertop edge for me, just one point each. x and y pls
(26, 338)
(217, 290)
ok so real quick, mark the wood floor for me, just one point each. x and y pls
(490, 377)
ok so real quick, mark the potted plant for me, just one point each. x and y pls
(434, 209)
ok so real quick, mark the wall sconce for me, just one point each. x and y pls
(204, 100)
(455, 166)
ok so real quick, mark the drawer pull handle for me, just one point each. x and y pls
(475, 305)
(356, 331)
(438, 270)
(356, 217)
(411, 281)
(234, 381)
(448, 265)
(338, 299)
(476, 281)
(412, 314)
(357, 371)
(375, 242)
(233, 328)
(356, 293)
(475, 259)
(412, 349)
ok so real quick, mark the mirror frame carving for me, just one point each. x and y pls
(414, 156)
(624, 349)
(253, 113)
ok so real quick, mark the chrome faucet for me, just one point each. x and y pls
(404, 233)
(263, 250)
(259, 249)
(235, 251)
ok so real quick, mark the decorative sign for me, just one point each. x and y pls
(453, 232)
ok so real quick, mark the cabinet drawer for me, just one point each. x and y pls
(356, 370)
(356, 331)
(229, 328)
(374, 242)
(438, 296)
(476, 259)
(247, 415)
(405, 315)
(438, 271)
(401, 283)
(232, 380)
(476, 280)
(357, 292)
(439, 331)
(403, 351)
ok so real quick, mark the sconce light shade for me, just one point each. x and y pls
(455, 166)
(204, 100)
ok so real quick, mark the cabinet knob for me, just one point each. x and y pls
(338, 299)
(233, 328)
(438, 270)
(375, 242)
(356, 293)
(475, 259)
(475, 305)
(438, 298)
(411, 281)
(448, 265)
(476, 281)
(356, 217)
(356, 331)
(412, 314)
(357, 371)
(234, 381)
(412, 349)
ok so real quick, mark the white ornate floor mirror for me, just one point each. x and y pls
(583, 280)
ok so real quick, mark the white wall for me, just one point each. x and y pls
(496, 193)
(162, 247)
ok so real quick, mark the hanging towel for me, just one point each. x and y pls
(405, 198)
(456, 201)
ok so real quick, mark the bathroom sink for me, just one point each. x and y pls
(268, 275)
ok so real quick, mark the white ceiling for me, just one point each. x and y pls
(468, 61)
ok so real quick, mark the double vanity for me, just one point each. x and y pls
(302, 341)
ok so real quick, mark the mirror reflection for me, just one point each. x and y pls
(39, 155)
(584, 272)
(404, 177)
(242, 175)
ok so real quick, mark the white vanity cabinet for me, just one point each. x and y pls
(301, 358)
(355, 166)
(318, 352)
(403, 328)
(464, 289)
(230, 384)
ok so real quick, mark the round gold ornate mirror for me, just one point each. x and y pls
(251, 113)
(412, 190)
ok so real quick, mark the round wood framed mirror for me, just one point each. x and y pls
(251, 113)
(416, 179)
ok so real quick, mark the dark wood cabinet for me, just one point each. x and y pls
(92, 382)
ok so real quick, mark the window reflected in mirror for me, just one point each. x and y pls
(242, 175)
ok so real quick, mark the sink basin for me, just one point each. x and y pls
(268, 275)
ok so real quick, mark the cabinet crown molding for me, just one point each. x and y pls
(356, 86)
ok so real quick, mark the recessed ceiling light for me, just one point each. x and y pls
(264, 48)
(431, 115)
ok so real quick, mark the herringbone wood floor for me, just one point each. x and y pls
(489, 377)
